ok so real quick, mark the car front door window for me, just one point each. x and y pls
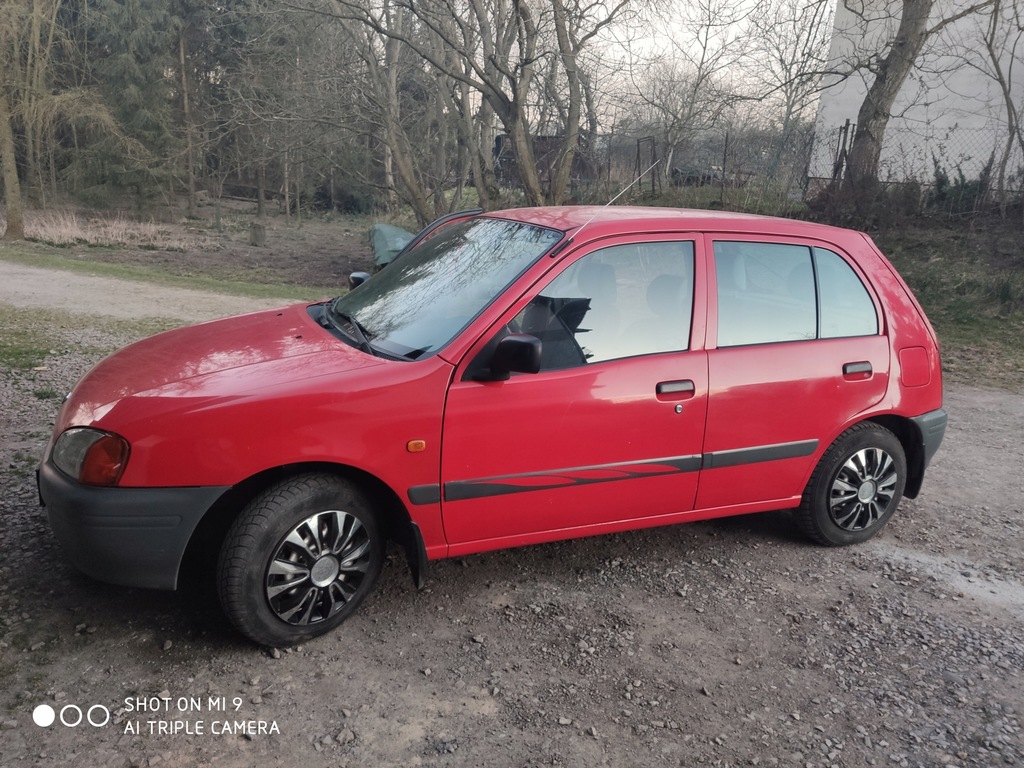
(622, 301)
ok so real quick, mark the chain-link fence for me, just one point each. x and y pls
(777, 172)
(952, 172)
(761, 171)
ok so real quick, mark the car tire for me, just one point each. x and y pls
(855, 488)
(299, 559)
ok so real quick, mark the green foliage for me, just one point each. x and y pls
(21, 346)
(131, 45)
(970, 283)
(749, 198)
(127, 45)
(138, 56)
(959, 196)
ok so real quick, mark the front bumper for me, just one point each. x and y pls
(135, 537)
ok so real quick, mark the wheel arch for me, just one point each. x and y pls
(913, 448)
(204, 544)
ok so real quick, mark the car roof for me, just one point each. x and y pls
(610, 220)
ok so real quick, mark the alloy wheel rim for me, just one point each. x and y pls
(318, 567)
(863, 489)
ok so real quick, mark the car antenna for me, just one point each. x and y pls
(572, 238)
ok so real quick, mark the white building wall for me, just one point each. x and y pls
(950, 108)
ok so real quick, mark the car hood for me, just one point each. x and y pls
(221, 358)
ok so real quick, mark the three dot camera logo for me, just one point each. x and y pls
(71, 716)
(162, 715)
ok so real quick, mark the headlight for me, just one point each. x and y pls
(91, 456)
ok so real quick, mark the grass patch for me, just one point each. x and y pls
(28, 336)
(48, 258)
(751, 198)
(22, 345)
(23, 465)
(65, 227)
(23, 354)
(970, 281)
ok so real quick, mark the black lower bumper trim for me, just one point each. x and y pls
(932, 427)
(130, 536)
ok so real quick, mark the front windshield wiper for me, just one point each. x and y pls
(358, 332)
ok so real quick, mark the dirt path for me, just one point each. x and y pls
(74, 292)
(731, 643)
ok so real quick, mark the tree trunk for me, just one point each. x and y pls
(298, 193)
(402, 165)
(417, 196)
(876, 109)
(261, 191)
(389, 179)
(526, 163)
(563, 166)
(190, 149)
(670, 153)
(474, 149)
(12, 187)
(488, 179)
(287, 188)
(440, 149)
(995, 48)
(30, 94)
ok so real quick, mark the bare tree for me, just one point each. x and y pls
(296, 105)
(1002, 42)
(382, 58)
(12, 185)
(32, 102)
(26, 44)
(496, 49)
(791, 41)
(890, 66)
(687, 87)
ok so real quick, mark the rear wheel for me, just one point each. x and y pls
(855, 488)
(299, 560)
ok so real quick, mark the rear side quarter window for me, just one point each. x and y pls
(846, 306)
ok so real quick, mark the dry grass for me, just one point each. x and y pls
(63, 228)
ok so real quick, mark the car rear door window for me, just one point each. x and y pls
(765, 293)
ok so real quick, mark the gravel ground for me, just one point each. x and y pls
(728, 643)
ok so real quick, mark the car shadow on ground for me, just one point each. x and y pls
(568, 559)
(192, 614)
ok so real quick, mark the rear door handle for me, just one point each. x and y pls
(683, 389)
(852, 369)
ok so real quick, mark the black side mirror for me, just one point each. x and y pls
(357, 278)
(519, 352)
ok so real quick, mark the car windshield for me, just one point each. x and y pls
(422, 300)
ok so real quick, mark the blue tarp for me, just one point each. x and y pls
(387, 241)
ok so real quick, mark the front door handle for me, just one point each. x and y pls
(683, 389)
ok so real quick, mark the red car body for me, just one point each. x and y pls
(458, 463)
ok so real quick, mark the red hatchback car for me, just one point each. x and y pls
(512, 378)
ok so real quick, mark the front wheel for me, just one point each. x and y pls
(855, 488)
(298, 560)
